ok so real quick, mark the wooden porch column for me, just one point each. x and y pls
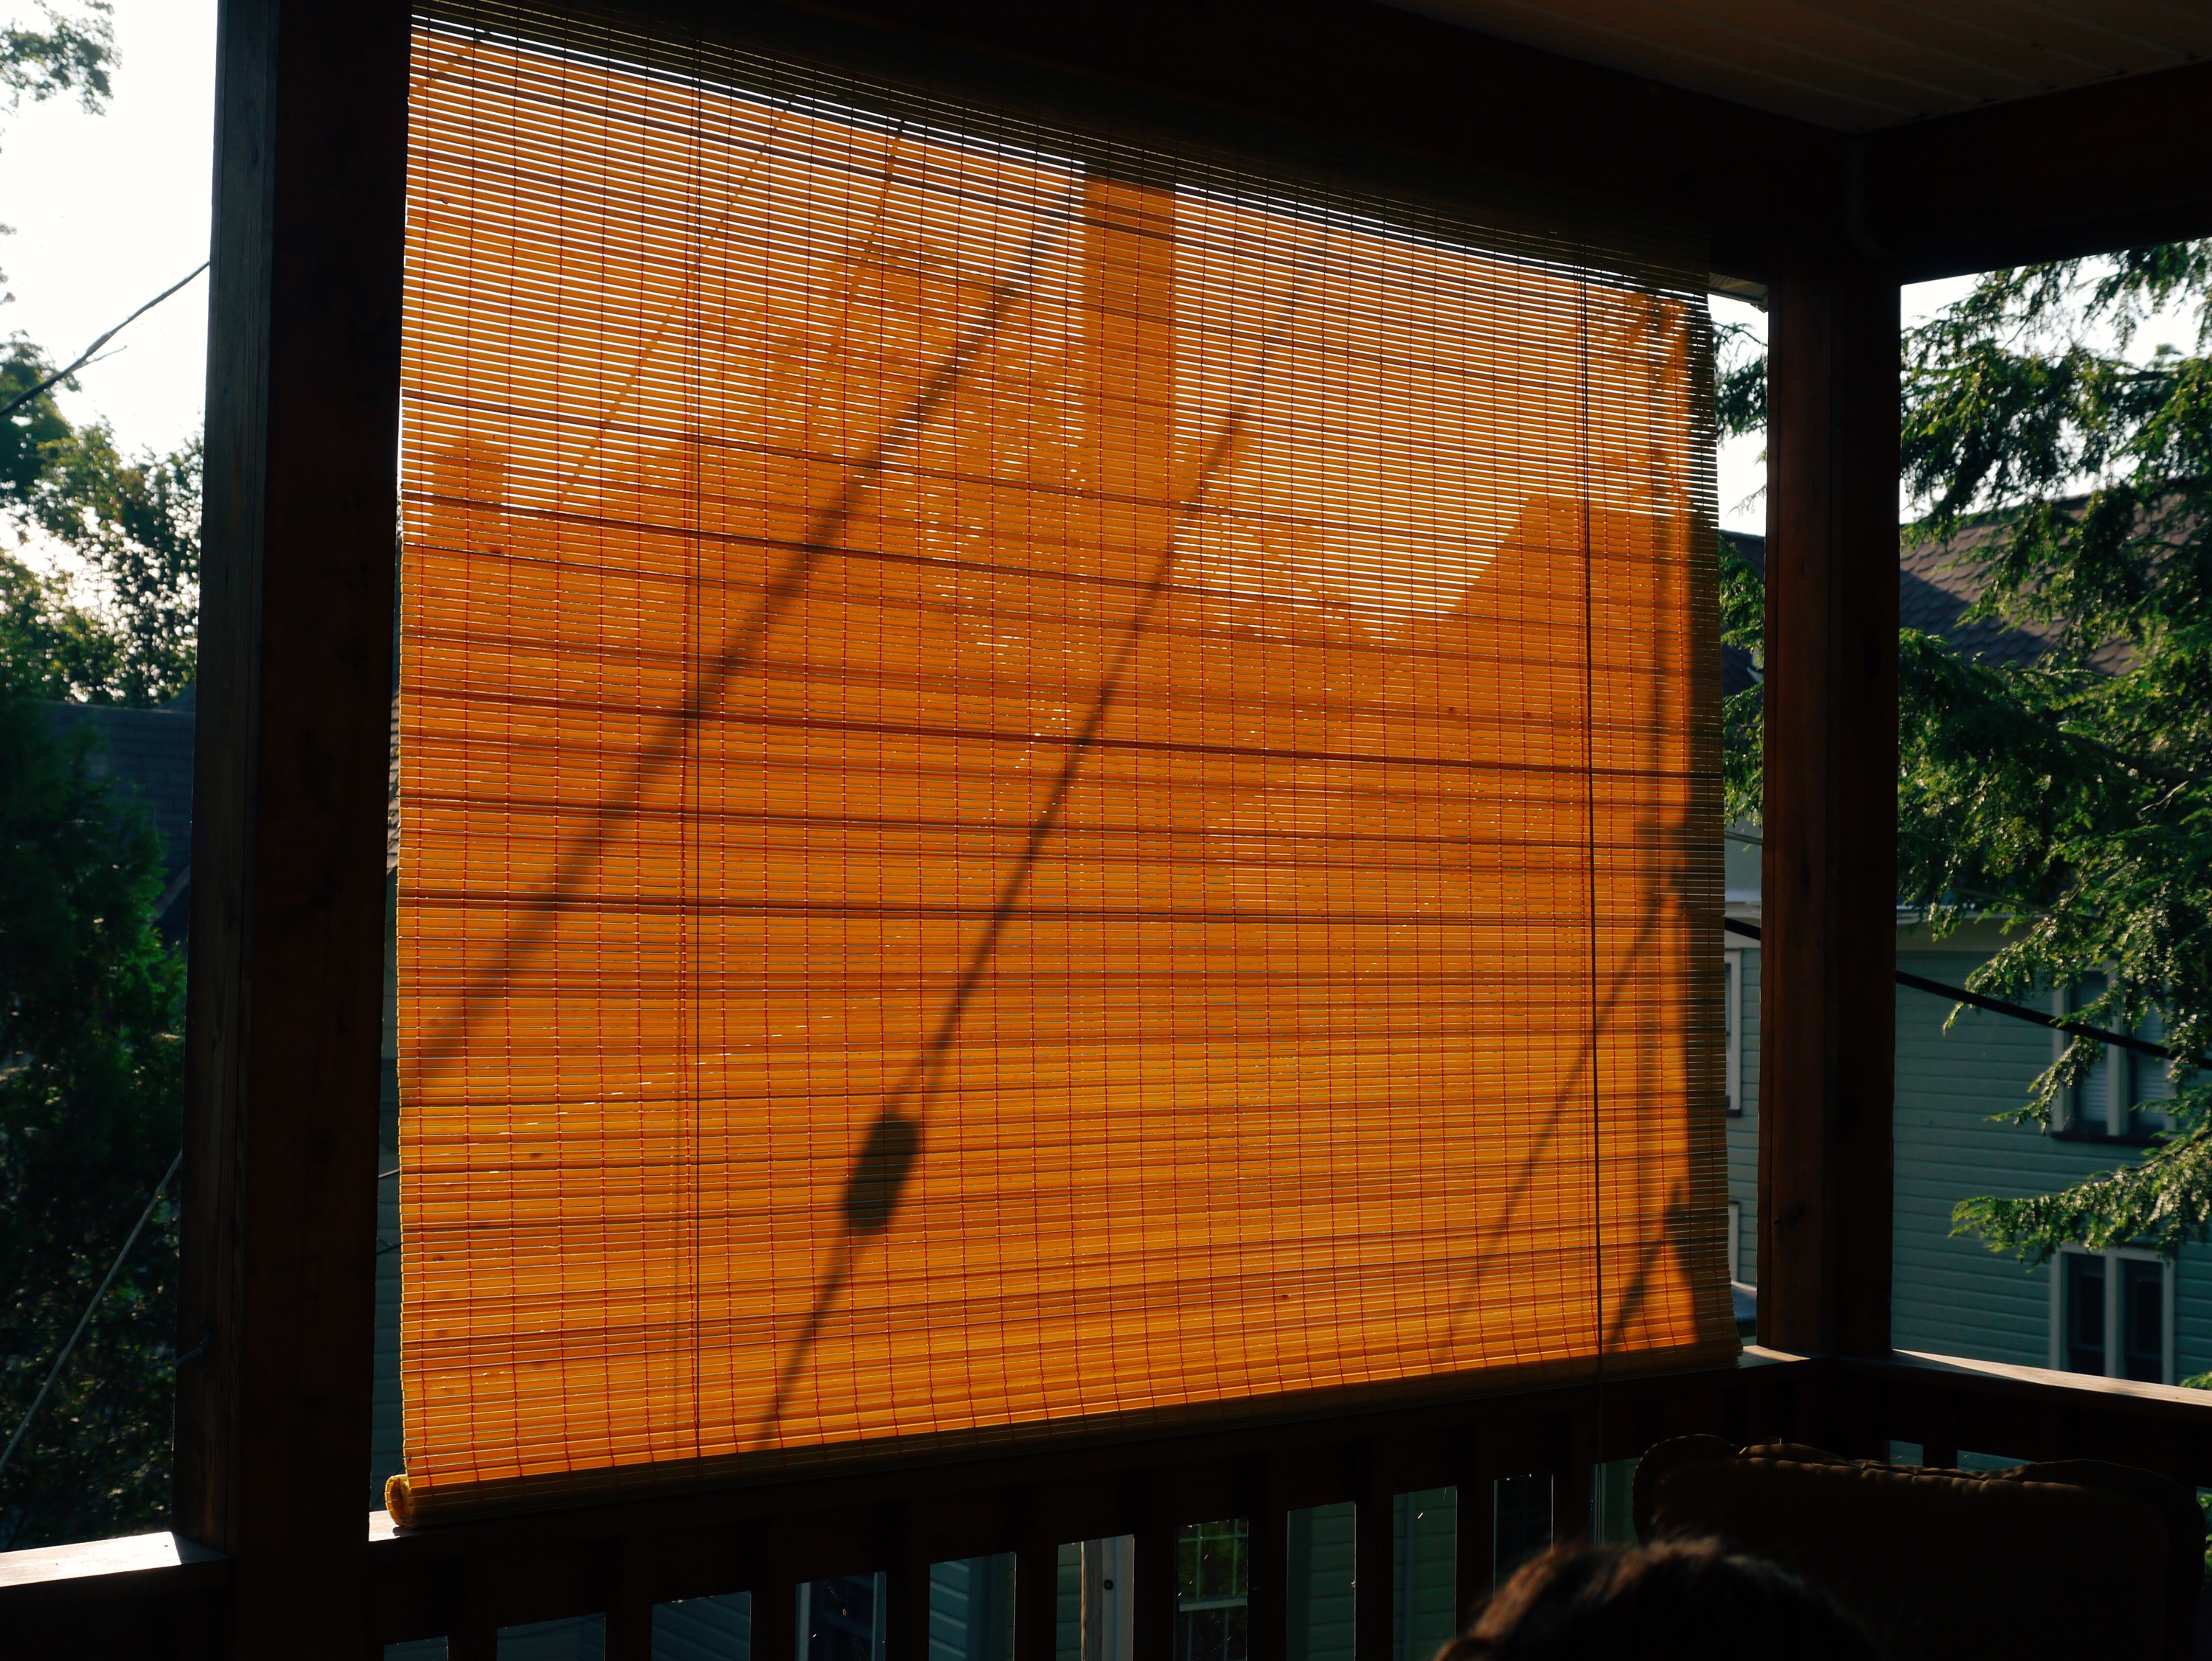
(288, 800)
(1830, 879)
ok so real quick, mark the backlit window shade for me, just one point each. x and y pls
(1044, 785)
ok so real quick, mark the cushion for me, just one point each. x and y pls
(2071, 1558)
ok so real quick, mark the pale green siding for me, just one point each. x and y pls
(704, 1629)
(1425, 1572)
(1743, 1130)
(971, 1609)
(1067, 1605)
(1952, 1294)
(1319, 1564)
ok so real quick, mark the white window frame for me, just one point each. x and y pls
(1734, 1006)
(2112, 1258)
(2109, 1091)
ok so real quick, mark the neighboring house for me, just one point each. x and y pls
(2125, 1314)
(146, 754)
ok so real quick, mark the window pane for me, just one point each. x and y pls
(1213, 1592)
(1319, 1554)
(2142, 1320)
(704, 1628)
(838, 1618)
(1524, 1520)
(2084, 1314)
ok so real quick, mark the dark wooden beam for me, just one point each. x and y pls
(288, 797)
(1355, 79)
(2115, 165)
(1830, 878)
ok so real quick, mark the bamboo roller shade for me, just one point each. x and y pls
(1043, 786)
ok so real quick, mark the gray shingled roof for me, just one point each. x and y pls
(147, 753)
(1936, 582)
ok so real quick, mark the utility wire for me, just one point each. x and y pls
(62, 1359)
(83, 358)
(2142, 1047)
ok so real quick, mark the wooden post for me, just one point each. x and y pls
(1830, 878)
(288, 799)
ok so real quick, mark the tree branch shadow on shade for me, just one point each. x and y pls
(877, 1184)
(448, 1042)
(875, 1187)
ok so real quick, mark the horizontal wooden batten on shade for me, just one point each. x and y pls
(1046, 785)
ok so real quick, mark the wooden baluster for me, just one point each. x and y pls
(1155, 1586)
(776, 1634)
(906, 1617)
(629, 1604)
(1036, 1596)
(1477, 1511)
(1266, 1580)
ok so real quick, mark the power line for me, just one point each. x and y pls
(83, 358)
(2018, 1011)
(62, 1359)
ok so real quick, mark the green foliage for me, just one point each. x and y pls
(135, 523)
(126, 630)
(91, 1090)
(70, 55)
(1743, 721)
(1739, 389)
(2072, 797)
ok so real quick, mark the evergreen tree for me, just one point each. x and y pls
(91, 1093)
(2070, 797)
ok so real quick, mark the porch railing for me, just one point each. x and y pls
(464, 1581)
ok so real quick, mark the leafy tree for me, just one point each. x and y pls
(68, 55)
(90, 997)
(2072, 796)
(135, 525)
(123, 631)
(91, 1093)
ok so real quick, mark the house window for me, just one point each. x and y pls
(2117, 1098)
(2113, 1315)
(1734, 1039)
(1212, 1593)
(1736, 1240)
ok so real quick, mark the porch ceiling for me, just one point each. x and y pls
(1854, 65)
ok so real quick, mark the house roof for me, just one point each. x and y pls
(1936, 584)
(147, 755)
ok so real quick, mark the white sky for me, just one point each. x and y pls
(109, 209)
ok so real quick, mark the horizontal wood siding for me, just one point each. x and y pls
(1743, 1129)
(1425, 1571)
(1318, 1567)
(704, 1629)
(1953, 1295)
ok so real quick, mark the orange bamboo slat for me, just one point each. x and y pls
(1042, 786)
